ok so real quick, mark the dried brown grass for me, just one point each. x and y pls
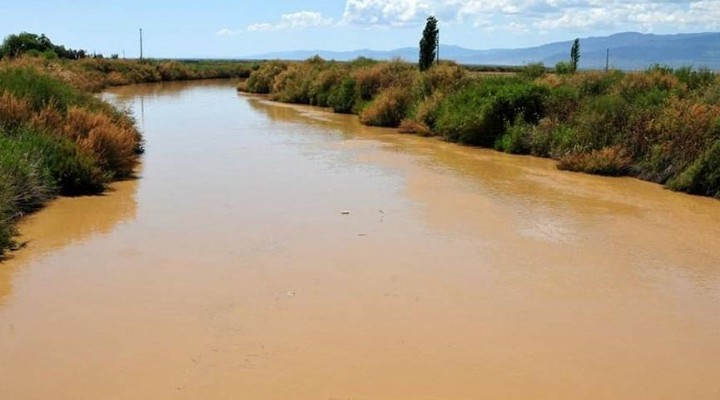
(610, 161)
(112, 144)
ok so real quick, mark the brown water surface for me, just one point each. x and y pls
(228, 270)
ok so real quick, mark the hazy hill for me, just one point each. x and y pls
(628, 50)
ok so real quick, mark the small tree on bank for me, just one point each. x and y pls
(429, 43)
(575, 55)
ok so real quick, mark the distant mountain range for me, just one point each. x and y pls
(628, 50)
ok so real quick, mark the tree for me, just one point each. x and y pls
(429, 43)
(16, 45)
(575, 55)
(30, 43)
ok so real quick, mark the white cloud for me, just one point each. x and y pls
(227, 32)
(295, 21)
(384, 12)
(542, 15)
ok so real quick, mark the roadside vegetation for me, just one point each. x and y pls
(661, 124)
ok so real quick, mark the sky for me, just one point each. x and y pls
(237, 28)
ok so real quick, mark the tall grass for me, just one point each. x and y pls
(56, 139)
(95, 74)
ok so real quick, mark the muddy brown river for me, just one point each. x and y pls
(231, 270)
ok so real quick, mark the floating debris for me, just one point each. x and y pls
(345, 213)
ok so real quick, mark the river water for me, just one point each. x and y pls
(280, 252)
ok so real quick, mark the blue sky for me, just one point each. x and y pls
(225, 28)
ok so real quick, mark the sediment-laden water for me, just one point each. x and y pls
(280, 252)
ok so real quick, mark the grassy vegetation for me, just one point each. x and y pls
(95, 74)
(58, 139)
(661, 125)
(55, 139)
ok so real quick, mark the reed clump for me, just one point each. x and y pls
(56, 139)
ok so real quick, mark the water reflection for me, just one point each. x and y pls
(530, 199)
(165, 90)
(68, 221)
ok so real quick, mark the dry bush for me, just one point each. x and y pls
(679, 135)
(261, 80)
(115, 78)
(414, 127)
(594, 83)
(293, 84)
(371, 80)
(48, 119)
(550, 80)
(113, 145)
(611, 161)
(445, 76)
(635, 84)
(14, 111)
(388, 109)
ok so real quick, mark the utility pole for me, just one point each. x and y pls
(141, 45)
(607, 60)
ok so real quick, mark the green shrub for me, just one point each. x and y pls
(602, 122)
(551, 138)
(533, 70)
(563, 68)
(427, 111)
(702, 176)
(25, 175)
(50, 55)
(41, 90)
(322, 86)
(261, 80)
(695, 79)
(478, 114)
(515, 140)
(7, 230)
(595, 83)
(362, 62)
(343, 97)
(70, 171)
(563, 102)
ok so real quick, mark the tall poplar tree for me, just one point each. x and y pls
(429, 43)
(575, 55)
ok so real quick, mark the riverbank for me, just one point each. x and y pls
(96, 74)
(661, 125)
(58, 139)
(229, 268)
